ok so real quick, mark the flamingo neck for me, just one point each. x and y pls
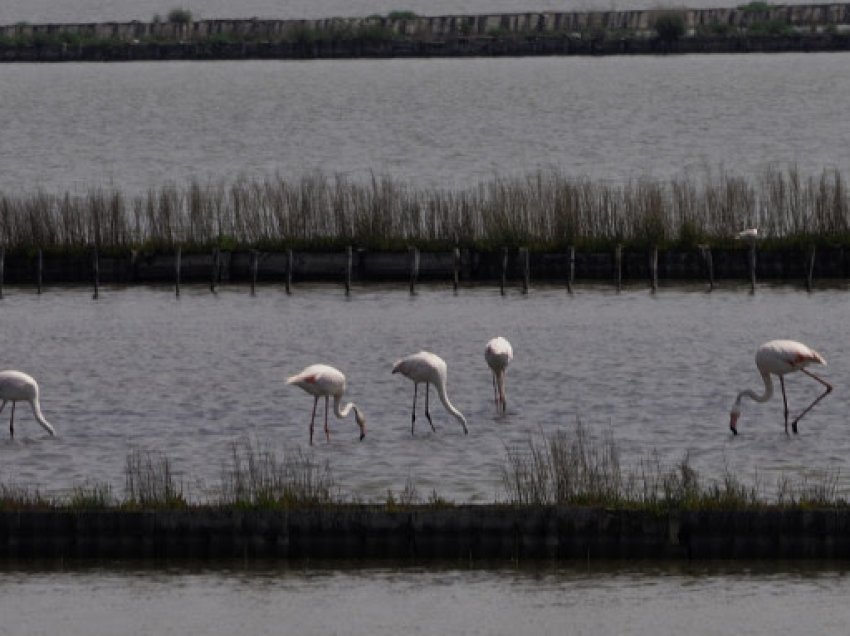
(344, 411)
(36, 409)
(764, 397)
(441, 391)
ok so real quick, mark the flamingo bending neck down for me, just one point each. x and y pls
(430, 369)
(321, 380)
(779, 357)
(15, 386)
(498, 355)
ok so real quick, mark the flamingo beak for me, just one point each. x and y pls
(733, 422)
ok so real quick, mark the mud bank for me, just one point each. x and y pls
(470, 533)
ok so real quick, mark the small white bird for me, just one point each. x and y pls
(779, 357)
(498, 355)
(750, 233)
(15, 386)
(321, 380)
(430, 369)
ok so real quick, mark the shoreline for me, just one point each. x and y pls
(755, 27)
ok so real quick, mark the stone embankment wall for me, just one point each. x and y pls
(472, 266)
(469, 533)
(806, 28)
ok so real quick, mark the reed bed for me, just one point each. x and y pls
(542, 209)
(572, 468)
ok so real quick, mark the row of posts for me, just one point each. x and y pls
(414, 259)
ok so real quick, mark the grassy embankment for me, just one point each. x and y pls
(543, 210)
(568, 468)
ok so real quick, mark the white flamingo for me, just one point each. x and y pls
(430, 369)
(779, 357)
(498, 355)
(15, 386)
(321, 380)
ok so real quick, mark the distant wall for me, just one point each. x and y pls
(800, 16)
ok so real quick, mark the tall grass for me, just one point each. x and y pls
(571, 468)
(544, 208)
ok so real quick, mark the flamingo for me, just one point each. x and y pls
(779, 357)
(498, 355)
(322, 380)
(430, 369)
(15, 386)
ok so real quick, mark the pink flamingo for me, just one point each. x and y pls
(779, 357)
(321, 380)
(15, 386)
(430, 369)
(498, 355)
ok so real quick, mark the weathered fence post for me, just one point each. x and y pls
(215, 269)
(705, 252)
(752, 261)
(289, 261)
(653, 269)
(618, 266)
(349, 260)
(526, 269)
(414, 267)
(178, 257)
(571, 268)
(504, 269)
(456, 273)
(254, 267)
(811, 269)
(96, 272)
(39, 269)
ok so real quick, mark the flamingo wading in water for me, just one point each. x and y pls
(430, 369)
(779, 357)
(498, 355)
(16, 386)
(321, 380)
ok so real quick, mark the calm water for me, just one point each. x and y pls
(691, 599)
(37, 11)
(140, 369)
(435, 123)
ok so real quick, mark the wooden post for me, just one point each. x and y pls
(254, 267)
(178, 257)
(571, 268)
(456, 277)
(653, 268)
(414, 268)
(526, 269)
(215, 269)
(39, 270)
(96, 272)
(289, 271)
(349, 258)
(504, 269)
(809, 274)
(618, 266)
(752, 261)
(2, 268)
(705, 252)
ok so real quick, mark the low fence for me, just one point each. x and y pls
(468, 533)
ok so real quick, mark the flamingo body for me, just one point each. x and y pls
(428, 368)
(17, 386)
(322, 380)
(498, 355)
(779, 358)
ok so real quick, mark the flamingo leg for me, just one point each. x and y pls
(413, 413)
(427, 412)
(784, 401)
(12, 421)
(808, 408)
(313, 418)
(327, 430)
(495, 391)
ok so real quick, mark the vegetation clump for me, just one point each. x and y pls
(179, 16)
(670, 26)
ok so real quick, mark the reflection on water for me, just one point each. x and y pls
(698, 598)
(140, 369)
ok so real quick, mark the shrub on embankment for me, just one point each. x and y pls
(542, 210)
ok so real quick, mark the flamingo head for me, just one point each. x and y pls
(361, 422)
(733, 419)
